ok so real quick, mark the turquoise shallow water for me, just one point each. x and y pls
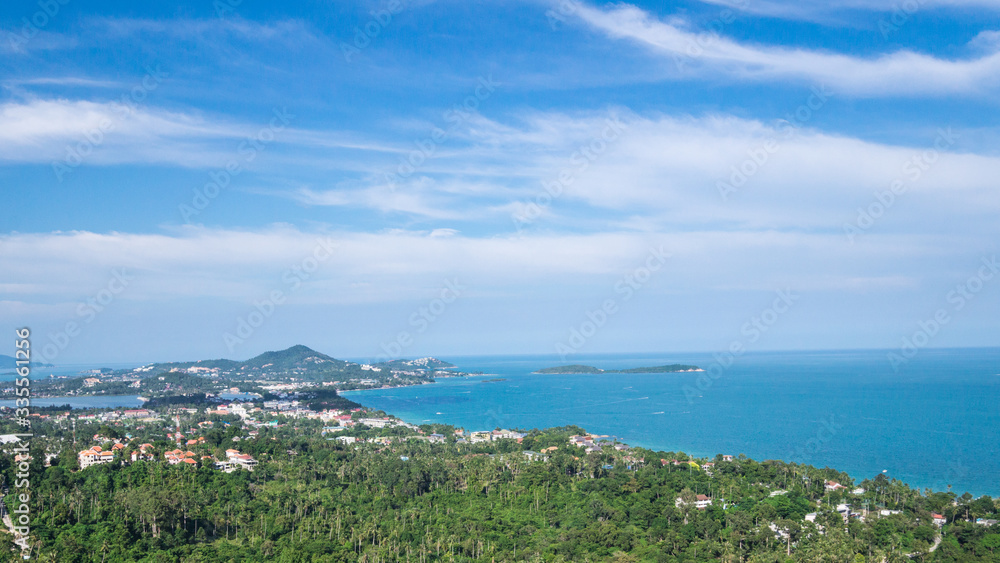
(933, 423)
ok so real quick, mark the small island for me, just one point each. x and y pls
(581, 369)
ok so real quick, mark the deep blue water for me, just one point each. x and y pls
(933, 423)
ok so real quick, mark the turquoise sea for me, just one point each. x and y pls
(935, 422)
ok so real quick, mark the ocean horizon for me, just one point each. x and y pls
(930, 423)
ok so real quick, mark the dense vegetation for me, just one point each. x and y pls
(316, 499)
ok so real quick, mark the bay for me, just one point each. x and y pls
(85, 402)
(932, 422)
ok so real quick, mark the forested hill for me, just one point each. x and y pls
(8, 363)
(296, 357)
(396, 495)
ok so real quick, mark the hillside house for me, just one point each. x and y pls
(235, 460)
(95, 456)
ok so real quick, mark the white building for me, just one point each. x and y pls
(375, 422)
(94, 456)
(701, 502)
(235, 460)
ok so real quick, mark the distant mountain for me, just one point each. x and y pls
(581, 369)
(9, 363)
(298, 363)
(297, 357)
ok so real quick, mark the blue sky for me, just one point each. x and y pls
(167, 169)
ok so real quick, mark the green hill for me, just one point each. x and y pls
(298, 356)
(10, 363)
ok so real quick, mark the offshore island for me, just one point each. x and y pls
(581, 369)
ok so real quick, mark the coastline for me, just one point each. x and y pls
(691, 453)
(803, 408)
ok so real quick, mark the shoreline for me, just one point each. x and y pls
(893, 470)
(694, 454)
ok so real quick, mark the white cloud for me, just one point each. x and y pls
(902, 73)
(241, 266)
(823, 10)
(73, 81)
(191, 286)
(289, 31)
(986, 41)
(667, 171)
(110, 132)
(413, 198)
(128, 130)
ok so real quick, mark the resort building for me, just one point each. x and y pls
(94, 456)
(701, 502)
(235, 460)
(144, 453)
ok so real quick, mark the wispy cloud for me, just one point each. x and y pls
(43, 131)
(667, 170)
(241, 265)
(202, 30)
(820, 10)
(416, 198)
(901, 73)
(73, 81)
